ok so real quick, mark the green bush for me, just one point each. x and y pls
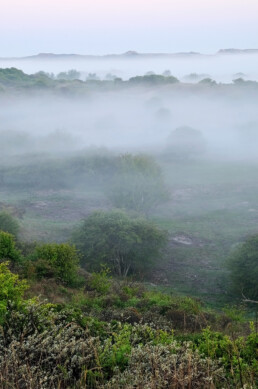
(8, 249)
(11, 290)
(100, 281)
(54, 260)
(238, 355)
(124, 244)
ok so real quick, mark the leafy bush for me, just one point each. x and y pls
(238, 355)
(8, 249)
(126, 245)
(55, 260)
(11, 290)
(100, 281)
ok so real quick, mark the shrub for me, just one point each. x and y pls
(50, 351)
(167, 366)
(55, 260)
(126, 245)
(238, 355)
(11, 290)
(8, 250)
(100, 281)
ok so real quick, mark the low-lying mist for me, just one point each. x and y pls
(132, 119)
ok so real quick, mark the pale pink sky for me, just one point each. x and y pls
(101, 26)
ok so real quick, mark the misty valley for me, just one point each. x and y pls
(128, 224)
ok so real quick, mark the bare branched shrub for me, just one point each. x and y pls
(166, 367)
(44, 350)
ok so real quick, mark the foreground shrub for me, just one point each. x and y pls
(238, 355)
(168, 366)
(49, 346)
(57, 357)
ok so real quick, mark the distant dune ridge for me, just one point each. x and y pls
(131, 54)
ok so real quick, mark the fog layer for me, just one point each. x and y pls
(129, 118)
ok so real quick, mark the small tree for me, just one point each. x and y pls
(70, 75)
(56, 260)
(244, 269)
(126, 245)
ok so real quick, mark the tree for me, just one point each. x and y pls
(70, 75)
(8, 223)
(207, 81)
(137, 184)
(153, 79)
(56, 260)
(124, 244)
(243, 264)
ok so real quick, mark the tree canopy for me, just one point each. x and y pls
(125, 244)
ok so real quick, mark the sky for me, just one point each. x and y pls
(115, 26)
